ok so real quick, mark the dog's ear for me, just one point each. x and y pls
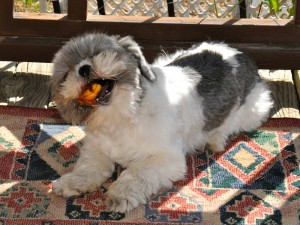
(131, 46)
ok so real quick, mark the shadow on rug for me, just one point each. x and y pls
(255, 181)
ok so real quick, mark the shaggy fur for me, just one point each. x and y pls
(154, 115)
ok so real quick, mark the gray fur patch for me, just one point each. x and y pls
(219, 87)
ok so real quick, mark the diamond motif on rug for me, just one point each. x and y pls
(23, 201)
(91, 206)
(244, 158)
(173, 206)
(247, 208)
(229, 169)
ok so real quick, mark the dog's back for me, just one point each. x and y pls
(233, 97)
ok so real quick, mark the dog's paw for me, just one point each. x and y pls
(70, 185)
(118, 199)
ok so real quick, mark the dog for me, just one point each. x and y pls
(147, 118)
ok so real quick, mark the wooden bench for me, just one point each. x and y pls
(273, 43)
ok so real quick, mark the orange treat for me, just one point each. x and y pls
(89, 94)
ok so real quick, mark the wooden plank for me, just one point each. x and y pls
(38, 16)
(283, 93)
(28, 90)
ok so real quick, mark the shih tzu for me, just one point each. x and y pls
(148, 117)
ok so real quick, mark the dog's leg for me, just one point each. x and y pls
(90, 171)
(142, 179)
(217, 141)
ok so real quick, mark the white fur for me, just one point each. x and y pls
(107, 63)
(71, 88)
(151, 138)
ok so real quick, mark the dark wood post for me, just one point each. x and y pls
(7, 7)
(6, 15)
(297, 12)
(77, 9)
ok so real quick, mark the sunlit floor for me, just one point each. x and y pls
(27, 84)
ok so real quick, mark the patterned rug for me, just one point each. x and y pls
(255, 181)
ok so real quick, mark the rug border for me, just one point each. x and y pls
(30, 112)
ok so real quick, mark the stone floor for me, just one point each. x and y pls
(27, 84)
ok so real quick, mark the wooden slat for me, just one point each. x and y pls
(77, 9)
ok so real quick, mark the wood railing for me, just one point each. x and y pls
(273, 43)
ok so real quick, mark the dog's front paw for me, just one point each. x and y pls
(70, 185)
(123, 198)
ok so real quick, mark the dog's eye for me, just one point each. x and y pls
(64, 79)
(84, 71)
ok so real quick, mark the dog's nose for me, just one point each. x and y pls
(85, 70)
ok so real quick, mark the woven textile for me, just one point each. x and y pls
(255, 181)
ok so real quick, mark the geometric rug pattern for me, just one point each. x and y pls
(255, 181)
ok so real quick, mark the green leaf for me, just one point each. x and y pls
(291, 11)
(28, 2)
(274, 4)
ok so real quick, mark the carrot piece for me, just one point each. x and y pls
(89, 94)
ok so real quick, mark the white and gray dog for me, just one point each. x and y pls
(148, 117)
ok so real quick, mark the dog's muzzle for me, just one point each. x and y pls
(107, 86)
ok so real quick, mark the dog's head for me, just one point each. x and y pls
(115, 63)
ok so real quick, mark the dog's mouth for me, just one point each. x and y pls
(104, 96)
(97, 92)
